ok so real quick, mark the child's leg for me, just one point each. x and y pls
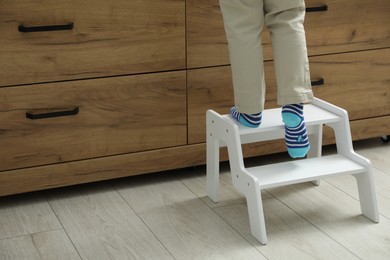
(285, 19)
(244, 21)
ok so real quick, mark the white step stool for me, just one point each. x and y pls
(222, 130)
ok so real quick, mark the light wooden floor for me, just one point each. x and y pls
(168, 216)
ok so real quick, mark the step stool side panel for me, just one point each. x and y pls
(226, 131)
(248, 185)
(365, 180)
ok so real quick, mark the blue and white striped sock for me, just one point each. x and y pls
(249, 120)
(296, 137)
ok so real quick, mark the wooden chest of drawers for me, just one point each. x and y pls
(94, 90)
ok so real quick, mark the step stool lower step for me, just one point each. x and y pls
(298, 171)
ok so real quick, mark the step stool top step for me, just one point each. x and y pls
(298, 171)
(272, 119)
(272, 126)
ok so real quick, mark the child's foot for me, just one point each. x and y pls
(249, 120)
(296, 137)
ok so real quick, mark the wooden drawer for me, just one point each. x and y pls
(347, 25)
(108, 38)
(116, 115)
(358, 82)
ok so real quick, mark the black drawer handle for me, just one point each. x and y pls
(321, 8)
(45, 28)
(70, 112)
(319, 82)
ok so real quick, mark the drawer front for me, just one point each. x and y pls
(346, 26)
(58, 122)
(357, 82)
(91, 38)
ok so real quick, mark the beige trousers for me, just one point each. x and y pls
(244, 21)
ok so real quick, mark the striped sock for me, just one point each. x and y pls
(249, 120)
(296, 137)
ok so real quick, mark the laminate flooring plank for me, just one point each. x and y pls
(26, 214)
(19, 248)
(289, 235)
(55, 244)
(47, 245)
(101, 224)
(187, 227)
(338, 215)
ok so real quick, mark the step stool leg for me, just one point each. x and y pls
(255, 211)
(367, 196)
(315, 146)
(212, 168)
